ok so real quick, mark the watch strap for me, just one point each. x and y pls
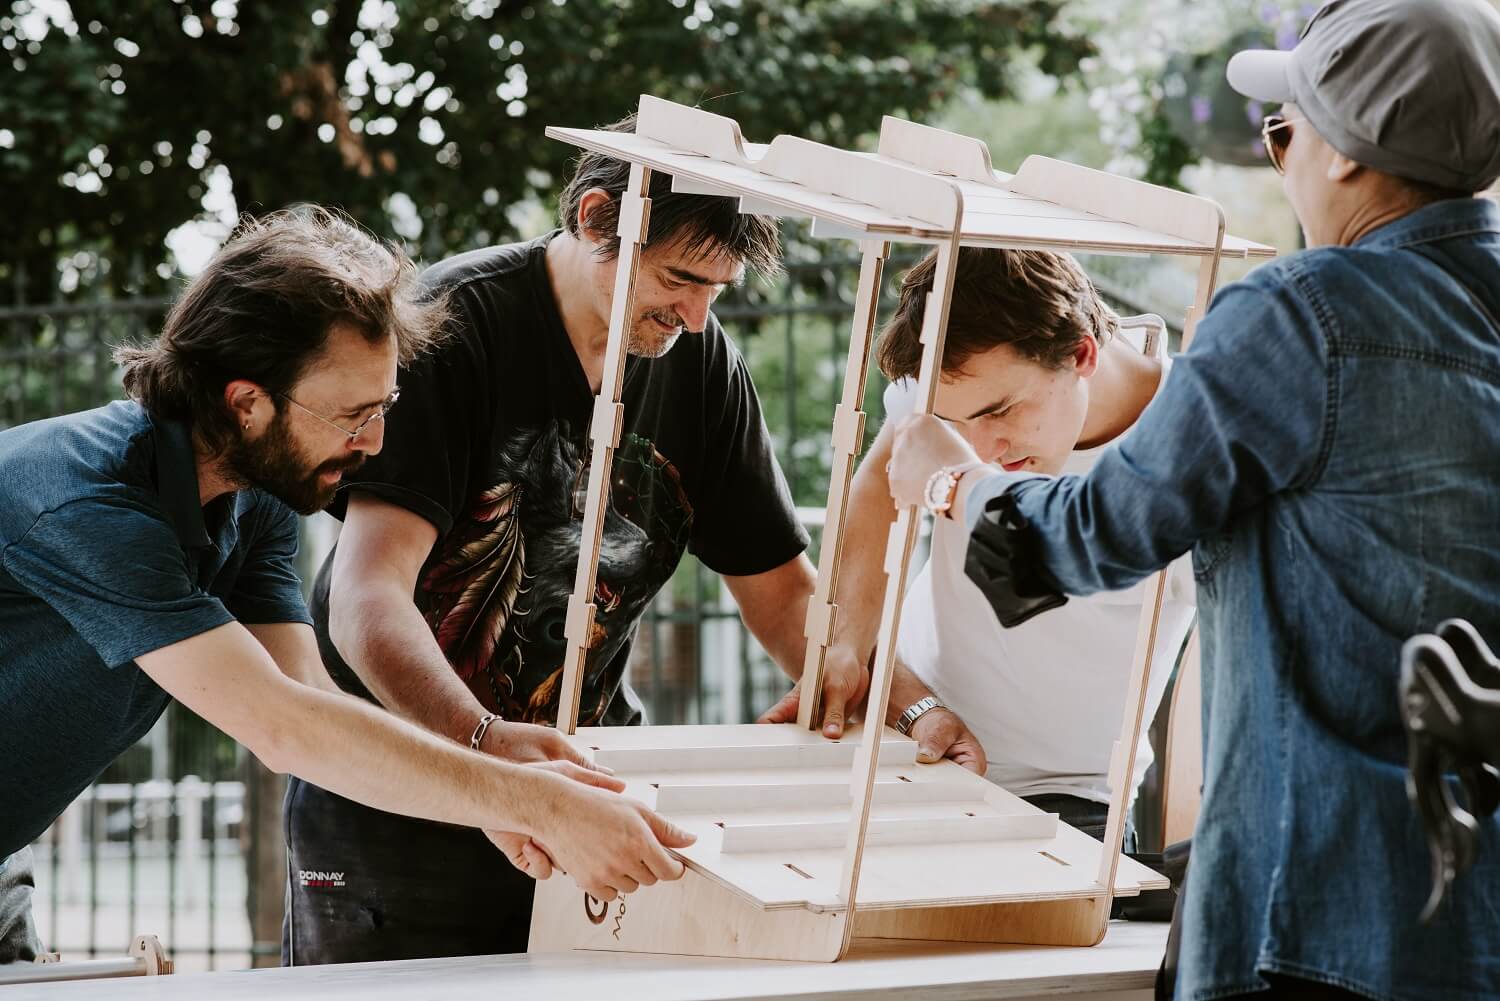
(916, 711)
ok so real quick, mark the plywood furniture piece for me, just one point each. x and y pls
(806, 843)
(1121, 968)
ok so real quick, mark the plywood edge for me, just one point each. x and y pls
(771, 191)
(937, 150)
(692, 916)
(691, 129)
(1077, 922)
(1123, 199)
(888, 186)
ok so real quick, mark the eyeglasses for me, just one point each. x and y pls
(385, 408)
(1276, 136)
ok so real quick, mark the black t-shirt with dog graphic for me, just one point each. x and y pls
(490, 443)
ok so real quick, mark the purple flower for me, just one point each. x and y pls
(1286, 37)
(1255, 111)
(1270, 13)
(1203, 109)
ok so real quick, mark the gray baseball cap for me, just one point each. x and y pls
(1409, 87)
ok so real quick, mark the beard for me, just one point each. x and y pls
(276, 464)
(647, 340)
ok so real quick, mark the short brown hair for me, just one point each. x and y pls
(700, 224)
(1038, 303)
(262, 310)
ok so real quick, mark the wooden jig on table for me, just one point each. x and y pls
(805, 843)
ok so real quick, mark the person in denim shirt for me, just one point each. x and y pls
(1329, 449)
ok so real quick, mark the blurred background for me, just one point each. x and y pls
(134, 132)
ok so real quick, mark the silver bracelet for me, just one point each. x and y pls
(480, 729)
(916, 711)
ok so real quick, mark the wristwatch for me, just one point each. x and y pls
(942, 487)
(916, 711)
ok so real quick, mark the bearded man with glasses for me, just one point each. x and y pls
(1328, 449)
(146, 553)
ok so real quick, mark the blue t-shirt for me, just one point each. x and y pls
(106, 554)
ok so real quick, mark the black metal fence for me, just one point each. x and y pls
(181, 836)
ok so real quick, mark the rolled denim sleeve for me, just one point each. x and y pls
(1244, 415)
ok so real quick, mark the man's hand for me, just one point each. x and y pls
(846, 683)
(922, 445)
(530, 856)
(523, 853)
(608, 844)
(940, 733)
(527, 743)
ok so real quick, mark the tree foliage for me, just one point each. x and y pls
(424, 118)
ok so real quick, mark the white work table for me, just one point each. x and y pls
(1121, 968)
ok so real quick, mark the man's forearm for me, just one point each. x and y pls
(345, 745)
(785, 638)
(906, 690)
(391, 765)
(773, 606)
(384, 639)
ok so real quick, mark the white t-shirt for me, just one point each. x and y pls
(1045, 698)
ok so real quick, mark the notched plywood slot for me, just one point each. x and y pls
(798, 871)
(830, 833)
(822, 754)
(1053, 858)
(702, 796)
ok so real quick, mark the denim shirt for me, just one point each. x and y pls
(1329, 448)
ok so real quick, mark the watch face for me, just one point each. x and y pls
(939, 489)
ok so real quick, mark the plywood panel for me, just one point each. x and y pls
(693, 916)
(742, 788)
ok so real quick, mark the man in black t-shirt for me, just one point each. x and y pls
(447, 594)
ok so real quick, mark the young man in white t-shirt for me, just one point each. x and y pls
(1038, 374)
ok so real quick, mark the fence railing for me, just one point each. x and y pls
(181, 837)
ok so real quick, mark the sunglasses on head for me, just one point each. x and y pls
(1276, 136)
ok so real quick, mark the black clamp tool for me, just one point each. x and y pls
(1450, 701)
